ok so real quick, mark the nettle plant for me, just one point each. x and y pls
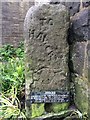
(12, 81)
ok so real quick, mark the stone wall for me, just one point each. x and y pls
(80, 57)
(13, 14)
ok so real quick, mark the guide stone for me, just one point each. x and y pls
(46, 50)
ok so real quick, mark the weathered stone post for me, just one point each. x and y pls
(81, 59)
(46, 49)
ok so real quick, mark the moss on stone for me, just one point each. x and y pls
(81, 94)
(58, 107)
(37, 110)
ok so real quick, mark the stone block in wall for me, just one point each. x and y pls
(80, 77)
(72, 6)
(47, 51)
(81, 25)
(80, 59)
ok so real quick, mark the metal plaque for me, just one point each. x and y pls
(49, 97)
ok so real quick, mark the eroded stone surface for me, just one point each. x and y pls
(46, 47)
(73, 7)
(47, 50)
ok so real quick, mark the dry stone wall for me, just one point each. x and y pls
(80, 57)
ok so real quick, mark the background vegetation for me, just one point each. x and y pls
(12, 82)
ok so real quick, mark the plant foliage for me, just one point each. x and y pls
(12, 81)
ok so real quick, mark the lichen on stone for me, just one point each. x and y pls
(58, 107)
(37, 110)
(81, 94)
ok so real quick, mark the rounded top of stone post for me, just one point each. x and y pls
(36, 9)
